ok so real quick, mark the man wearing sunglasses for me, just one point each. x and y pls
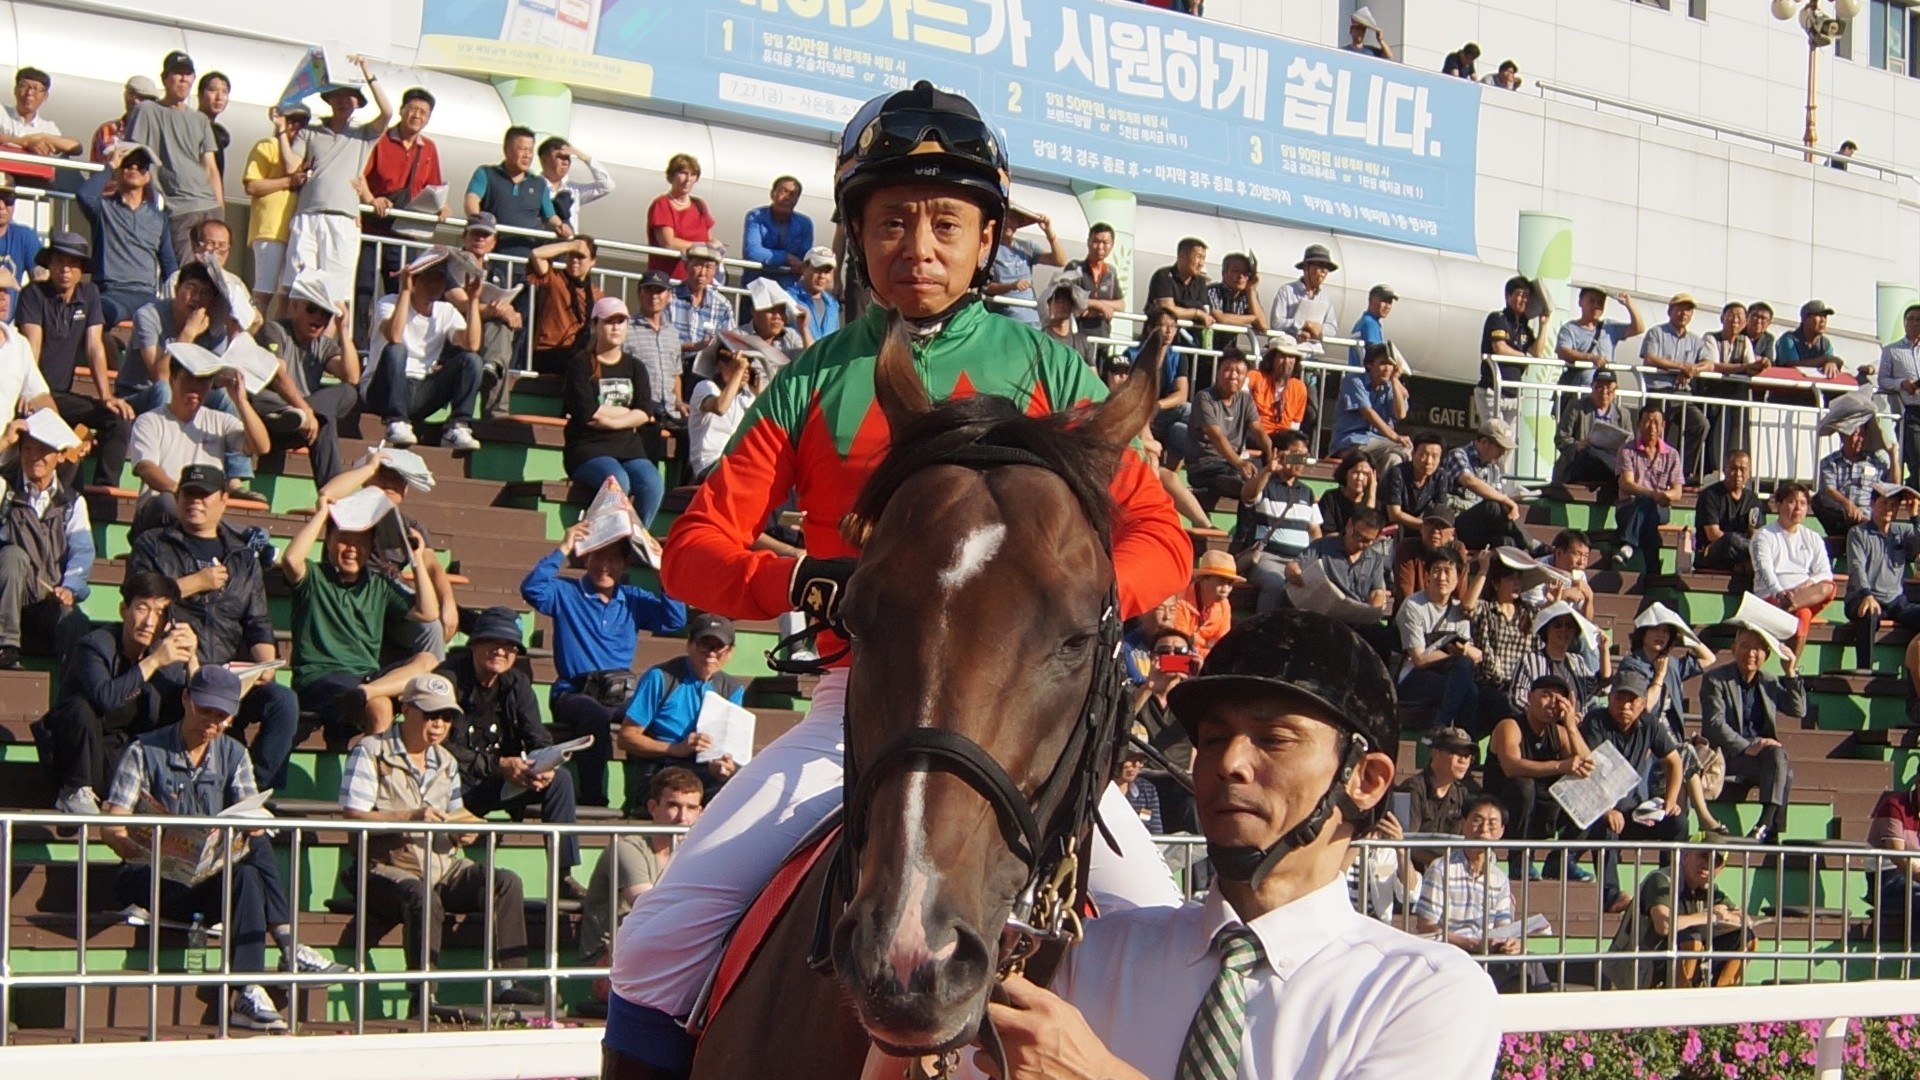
(312, 341)
(557, 156)
(921, 187)
(563, 273)
(131, 233)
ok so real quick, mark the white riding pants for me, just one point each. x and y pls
(673, 936)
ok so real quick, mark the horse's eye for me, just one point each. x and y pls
(1075, 644)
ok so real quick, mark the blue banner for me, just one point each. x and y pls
(1165, 105)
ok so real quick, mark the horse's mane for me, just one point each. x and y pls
(1066, 446)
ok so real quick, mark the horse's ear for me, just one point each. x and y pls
(1120, 419)
(896, 385)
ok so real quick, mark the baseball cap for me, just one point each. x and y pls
(655, 279)
(482, 222)
(1551, 682)
(1497, 430)
(215, 686)
(1453, 740)
(1681, 299)
(608, 306)
(1630, 682)
(496, 624)
(1440, 514)
(1814, 307)
(1382, 292)
(1604, 377)
(176, 63)
(142, 87)
(209, 478)
(707, 624)
(821, 258)
(430, 693)
(702, 251)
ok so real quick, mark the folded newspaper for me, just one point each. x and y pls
(251, 674)
(611, 519)
(1317, 594)
(1608, 437)
(1533, 572)
(190, 854)
(411, 466)
(256, 365)
(548, 758)
(1585, 798)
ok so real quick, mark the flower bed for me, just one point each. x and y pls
(1877, 1049)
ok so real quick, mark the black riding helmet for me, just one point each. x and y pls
(921, 135)
(1318, 660)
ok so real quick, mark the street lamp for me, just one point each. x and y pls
(1822, 30)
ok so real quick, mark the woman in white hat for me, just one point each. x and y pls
(1665, 651)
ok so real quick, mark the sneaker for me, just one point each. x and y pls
(77, 800)
(9, 658)
(305, 960)
(1579, 873)
(400, 434)
(1624, 555)
(512, 993)
(458, 437)
(254, 1011)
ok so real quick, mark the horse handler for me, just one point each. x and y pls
(1275, 975)
(921, 186)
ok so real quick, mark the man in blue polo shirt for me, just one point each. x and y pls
(659, 726)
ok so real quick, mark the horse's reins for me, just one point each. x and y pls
(1046, 908)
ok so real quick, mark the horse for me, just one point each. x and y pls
(985, 716)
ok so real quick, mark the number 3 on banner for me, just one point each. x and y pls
(1253, 146)
(1013, 97)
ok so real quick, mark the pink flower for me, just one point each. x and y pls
(1691, 1051)
(1586, 1061)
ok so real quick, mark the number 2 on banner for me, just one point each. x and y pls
(1013, 97)
(726, 35)
(1253, 147)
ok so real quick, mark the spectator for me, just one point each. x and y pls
(562, 275)
(1503, 630)
(60, 319)
(770, 310)
(23, 125)
(1650, 748)
(324, 233)
(46, 546)
(393, 473)
(212, 244)
(429, 359)
(223, 597)
(191, 769)
(1170, 662)
(187, 432)
(1280, 518)
(517, 197)
(1213, 582)
(679, 219)
(700, 310)
(557, 156)
(110, 134)
(1140, 792)
(1650, 484)
(1899, 377)
(118, 683)
(1181, 287)
(409, 773)
(1508, 332)
(728, 385)
(1807, 345)
(1280, 395)
(1011, 273)
(1463, 899)
(403, 166)
(1169, 424)
(636, 860)
(1569, 553)
(272, 189)
(653, 340)
(1411, 548)
(1847, 479)
(314, 343)
(1740, 707)
(340, 609)
(1791, 569)
(1735, 362)
(605, 396)
(1308, 291)
(1368, 329)
(1460, 63)
(597, 618)
(1371, 403)
(1726, 516)
(182, 146)
(812, 289)
(660, 723)
(1102, 280)
(1507, 78)
(1413, 488)
(1895, 826)
(498, 730)
(1355, 563)
(1879, 552)
(1355, 485)
(1234, 301)
(197, 312)
(1358, 26)
(1438, 642)
(1066, 299)
(1472, 476)
(1439, 790)
(1564, 645)
(1591, 340)
(213, 93)
(1665, 653)
(1579, 460)
(1699, 919)
(132, 231)
(1223, 428)
(778, 238)
(502, 321)
(1526, 754)
(19, 247)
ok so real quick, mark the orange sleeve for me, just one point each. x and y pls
(710, 562)
(1152, 555)
(1293, 404)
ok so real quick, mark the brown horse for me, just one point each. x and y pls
(981, 730)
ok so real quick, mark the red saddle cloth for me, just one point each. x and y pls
(744, 946)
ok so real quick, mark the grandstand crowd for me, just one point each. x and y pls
(143, 374)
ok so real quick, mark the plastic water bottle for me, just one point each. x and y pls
(197, 945)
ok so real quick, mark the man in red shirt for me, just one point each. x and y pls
(403, 165)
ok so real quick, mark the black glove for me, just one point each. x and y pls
(818, 585)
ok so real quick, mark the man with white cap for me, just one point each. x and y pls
(773, 309)
(1358, 26)
(729, 381)
(313, 341)
(46, 545)
(700, 310)
(112, 132)
(324, 234)
(1472, 474)
(1879, 551)
(813, 291)
(133, 246)
(1740, 708)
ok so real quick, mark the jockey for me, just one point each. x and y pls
(921, 186)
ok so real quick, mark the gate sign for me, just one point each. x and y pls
(1162, 104)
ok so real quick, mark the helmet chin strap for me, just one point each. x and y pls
(927, 327)
(1251, 865)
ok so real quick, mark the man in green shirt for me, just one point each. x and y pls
(1700, 919)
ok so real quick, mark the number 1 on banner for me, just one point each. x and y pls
(1013, 97)
(726, 35)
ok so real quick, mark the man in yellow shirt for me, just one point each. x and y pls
(272, 189)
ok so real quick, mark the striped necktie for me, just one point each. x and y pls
(1212, 1049)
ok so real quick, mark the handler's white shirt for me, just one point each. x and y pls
(1340, 997)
